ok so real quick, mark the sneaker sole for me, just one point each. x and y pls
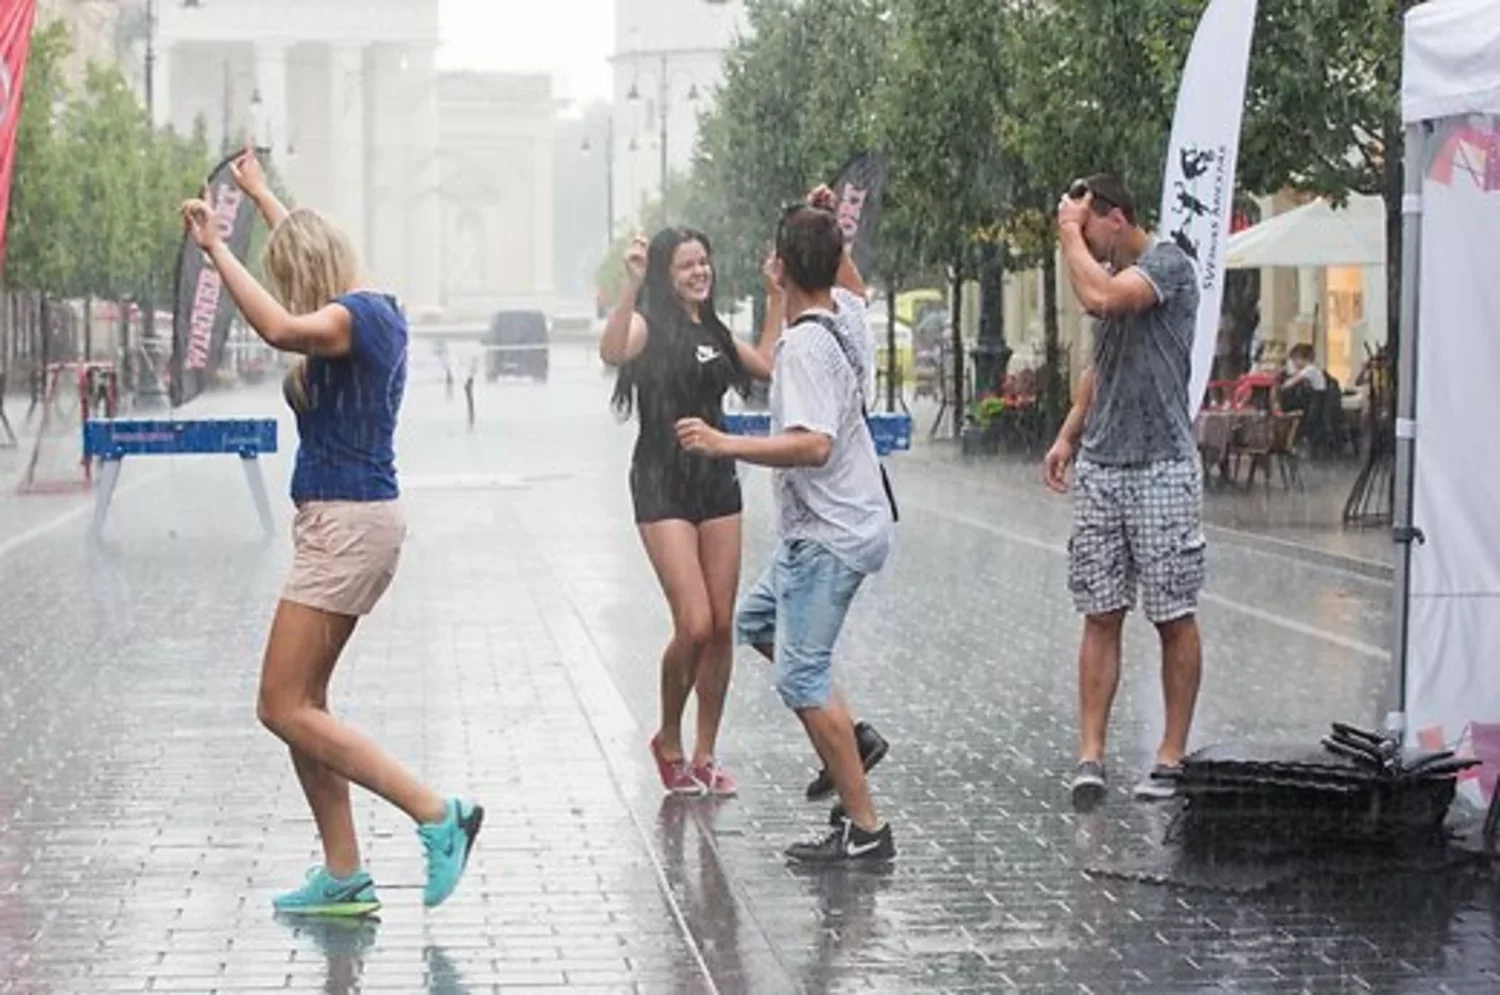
(345, 910)
(1089, 795)
(877, 755)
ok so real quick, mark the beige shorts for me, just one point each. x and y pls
(345, 554)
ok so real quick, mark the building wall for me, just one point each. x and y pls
(344, 93)
(666, 51)
(96, 29)
(496, 164)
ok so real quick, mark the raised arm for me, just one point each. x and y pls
(625, 330)
(252, 179)
(760, 359)
(1102, 294)
(328, 332)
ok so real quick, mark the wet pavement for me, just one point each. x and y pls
(146, 820)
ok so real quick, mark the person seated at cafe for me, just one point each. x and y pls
(1305, 382)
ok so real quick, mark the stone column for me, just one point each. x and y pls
(423, 204)
(348, 154)
(161, 86)
(273, 126)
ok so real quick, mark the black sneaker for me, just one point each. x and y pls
(848, 844)
(1089, 786)
(872, 750)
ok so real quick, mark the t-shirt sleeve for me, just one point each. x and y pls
(1169, 272)
(807, 398)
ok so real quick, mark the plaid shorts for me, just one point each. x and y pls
(1137, 526)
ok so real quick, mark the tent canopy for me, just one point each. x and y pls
(1449, 66)
(1315, 234)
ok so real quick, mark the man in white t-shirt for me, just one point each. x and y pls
(834, 513)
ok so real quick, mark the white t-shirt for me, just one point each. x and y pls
(841, 505)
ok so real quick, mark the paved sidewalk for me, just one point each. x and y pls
(146, 821)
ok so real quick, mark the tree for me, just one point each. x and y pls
(45, 199)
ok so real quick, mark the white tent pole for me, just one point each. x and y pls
(1403, 529)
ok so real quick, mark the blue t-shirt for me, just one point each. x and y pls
(347, 450)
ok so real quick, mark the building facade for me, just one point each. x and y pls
(668, 63)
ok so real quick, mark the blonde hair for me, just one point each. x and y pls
(309, 261)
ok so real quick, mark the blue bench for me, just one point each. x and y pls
(110, 440)
(891, 430)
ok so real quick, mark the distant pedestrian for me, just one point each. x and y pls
(469, 395)
(347, 535)
(1138, 492)
(677, 359)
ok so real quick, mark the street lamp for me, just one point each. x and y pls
(664, 111)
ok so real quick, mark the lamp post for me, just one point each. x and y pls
(664, 110)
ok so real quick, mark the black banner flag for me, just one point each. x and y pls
(859, 189)
(202, 310)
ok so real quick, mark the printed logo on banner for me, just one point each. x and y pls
(1471, 152)
(1198, 195)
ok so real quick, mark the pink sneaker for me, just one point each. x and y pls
(716, 780)
(676, 775)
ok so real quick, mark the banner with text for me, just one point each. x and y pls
(1197, 190)
(16, 20)
(202, 310)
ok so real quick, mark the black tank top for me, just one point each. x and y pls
(682, 373)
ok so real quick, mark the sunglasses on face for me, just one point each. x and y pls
(1081, 189)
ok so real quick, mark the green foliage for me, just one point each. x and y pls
(94, 208)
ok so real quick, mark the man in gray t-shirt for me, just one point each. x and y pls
(1137, 493)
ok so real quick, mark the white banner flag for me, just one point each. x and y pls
(1197, 192)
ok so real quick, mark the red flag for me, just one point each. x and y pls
(16, 19)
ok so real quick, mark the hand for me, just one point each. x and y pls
(199, 222)
(248, 172)
(772, 271)
(1074, 212)
(1055, 465)
(695, 436)
(635, 259)
(823, 198)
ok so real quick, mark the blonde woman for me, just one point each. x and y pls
(347, 534)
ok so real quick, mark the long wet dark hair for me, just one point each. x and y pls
(666, 319)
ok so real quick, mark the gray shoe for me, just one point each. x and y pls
(1159, 784)
(1089, 785)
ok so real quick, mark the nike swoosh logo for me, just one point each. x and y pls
(707, 354)
(348, 894)
(860, 849)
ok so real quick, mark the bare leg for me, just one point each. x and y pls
(673, 549)
(719, 554)
(1181, 672)
(300, 656)
(832, 733)
(1098, 679)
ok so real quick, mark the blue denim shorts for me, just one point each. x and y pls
(799, 605)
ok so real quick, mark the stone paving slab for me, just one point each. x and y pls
(145, 819)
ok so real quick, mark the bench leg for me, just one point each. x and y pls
(257, 484)
(104, 492)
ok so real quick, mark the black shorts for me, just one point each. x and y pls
(695, 494)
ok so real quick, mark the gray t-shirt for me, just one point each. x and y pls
(1142, 364)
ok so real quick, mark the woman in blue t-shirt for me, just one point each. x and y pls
(347, 534)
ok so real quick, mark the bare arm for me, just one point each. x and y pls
(796, 447)
(625, 331)
(328, 332)
(1102, 294)
(760, 359)
(850, 277)
(251, 178)
(1083, 396)
(271, 208)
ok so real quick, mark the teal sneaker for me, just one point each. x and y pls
(448, 844)
(326, 895)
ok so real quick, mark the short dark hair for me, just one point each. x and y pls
(1110, 192)
(1302, 350)
(810, 245)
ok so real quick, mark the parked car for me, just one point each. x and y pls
(518, 344)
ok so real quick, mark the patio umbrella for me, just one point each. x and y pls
(1315, 234)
